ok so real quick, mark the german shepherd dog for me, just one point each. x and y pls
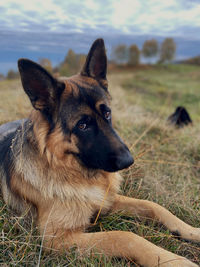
(61, 164)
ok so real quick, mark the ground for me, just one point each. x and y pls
(166, 169)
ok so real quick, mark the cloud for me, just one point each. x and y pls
(127, 16)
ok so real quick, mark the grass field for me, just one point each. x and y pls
(166, 169)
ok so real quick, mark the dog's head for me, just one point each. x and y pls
(76, 113)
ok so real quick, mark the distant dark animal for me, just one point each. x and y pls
(180, 117)
(61, 165)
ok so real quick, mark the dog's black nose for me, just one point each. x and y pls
(124, 160)
(121, 159)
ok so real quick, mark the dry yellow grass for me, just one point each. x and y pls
(14, 104)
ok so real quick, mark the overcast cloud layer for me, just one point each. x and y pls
(171, 17)
(126, 16)
(47, 25)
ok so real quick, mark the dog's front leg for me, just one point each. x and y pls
(119, 244)
(152, 210)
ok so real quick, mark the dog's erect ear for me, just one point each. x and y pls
(96, 61)
(42, 89)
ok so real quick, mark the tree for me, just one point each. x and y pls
(46, 63)
(120, 54)
(80, 61)
(71, 59)
(12, 74)
(134, 55)
(69, 66)
(2, 77)
(72, 63)
(150, 48)
(168, 50)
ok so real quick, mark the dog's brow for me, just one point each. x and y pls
(87, 83)
(83, 84)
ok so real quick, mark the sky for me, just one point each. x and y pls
(49, 28)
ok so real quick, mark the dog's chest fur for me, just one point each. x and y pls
(67, 200)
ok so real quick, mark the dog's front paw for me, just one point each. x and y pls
(195, 234)
(185, 263)
(173, 260)
(191, 234)
(178, 262)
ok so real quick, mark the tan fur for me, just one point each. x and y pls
(122, 244)
(87, 82)
(40, 128)
(57, 145)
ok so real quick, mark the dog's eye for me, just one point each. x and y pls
(82, 126)
(106, 112)
(107, 115)
(85, 123)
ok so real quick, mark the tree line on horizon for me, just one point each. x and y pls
(121, 55)
(131, 55)
(71, 64)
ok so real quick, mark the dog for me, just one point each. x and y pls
(61, 164)
(180, 117)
